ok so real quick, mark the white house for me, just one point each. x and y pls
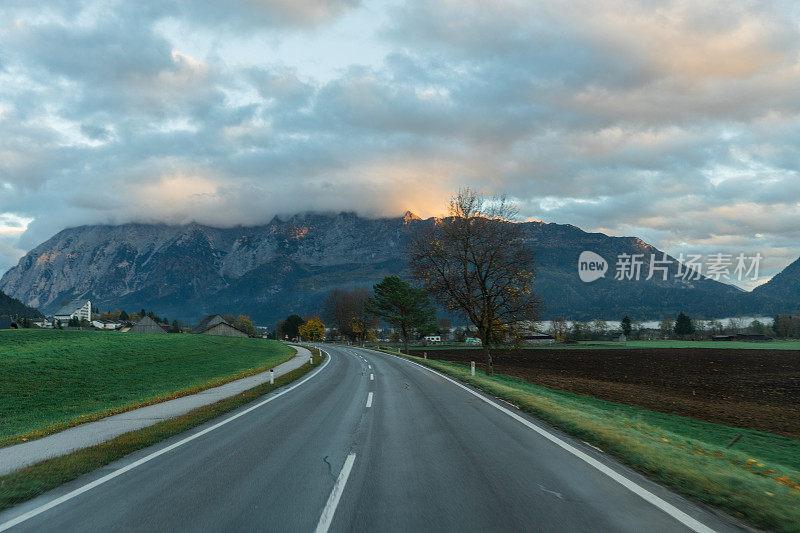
(44, 323)
(81, 309)
(106, 324)
(433, 338)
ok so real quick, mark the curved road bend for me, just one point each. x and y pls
(369, 442)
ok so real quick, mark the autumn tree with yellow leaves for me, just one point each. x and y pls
(312, 330)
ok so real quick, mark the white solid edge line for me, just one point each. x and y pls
(108, 477)
(336, 494)
(640, 491)
(369, 400)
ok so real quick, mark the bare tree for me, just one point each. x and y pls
(474, 262)
(346, 309)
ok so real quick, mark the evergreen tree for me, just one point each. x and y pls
(684, 325)
(626, 326)
(402, 306)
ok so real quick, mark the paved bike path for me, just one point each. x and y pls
(13, 458)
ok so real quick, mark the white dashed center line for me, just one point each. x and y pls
(336, 494)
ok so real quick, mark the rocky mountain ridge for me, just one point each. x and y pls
(288, 265)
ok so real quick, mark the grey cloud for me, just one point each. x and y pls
(580, 120)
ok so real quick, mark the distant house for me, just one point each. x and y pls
(82, 310)
(433, 338)
(216, 325)
(44, 323)
(538, 339)
(147, 325)
(7, 323)
(107, 324)
(619, 337)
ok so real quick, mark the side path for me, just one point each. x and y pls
(13, 458)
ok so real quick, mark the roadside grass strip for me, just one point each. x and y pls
(757, 479)
(37, 479)
(601, 344)
(53, 380)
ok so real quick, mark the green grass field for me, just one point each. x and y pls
(51, 380)
(36, 479)
(583, 345)
(758, 478)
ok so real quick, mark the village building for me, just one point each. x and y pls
(81, 309)
(216, 325)
(44, 323)
(538, 339)
(107, 324)
(147, 325)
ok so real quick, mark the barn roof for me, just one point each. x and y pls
(209, 322)
(147, 325)
(212, 321)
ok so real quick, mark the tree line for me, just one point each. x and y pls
(681, 327)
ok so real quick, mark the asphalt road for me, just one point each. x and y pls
(368, 442)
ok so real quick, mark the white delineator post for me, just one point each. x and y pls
(271, 377)
(472, 367)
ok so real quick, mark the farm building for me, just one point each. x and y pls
(82, 310)
(216, 325)
(7, 323)
(147, 325)
(619, 337)
(538, 338)
(106, 324)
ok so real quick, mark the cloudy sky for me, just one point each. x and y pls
(673, 121)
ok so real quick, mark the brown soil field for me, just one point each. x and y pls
(758, 389)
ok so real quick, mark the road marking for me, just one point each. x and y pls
(677, 514)
(372, 377)
(369, 366)
(108, 477)
(369, 400)
(336, 494)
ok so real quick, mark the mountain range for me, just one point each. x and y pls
(289, 265)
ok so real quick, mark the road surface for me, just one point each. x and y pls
(369, 442)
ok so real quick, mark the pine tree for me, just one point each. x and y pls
(684, 325)
(402, 306)
(626, 326)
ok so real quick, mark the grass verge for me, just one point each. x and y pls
(660, 344)
(758, 479)
(34, 480)
(52, 380)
